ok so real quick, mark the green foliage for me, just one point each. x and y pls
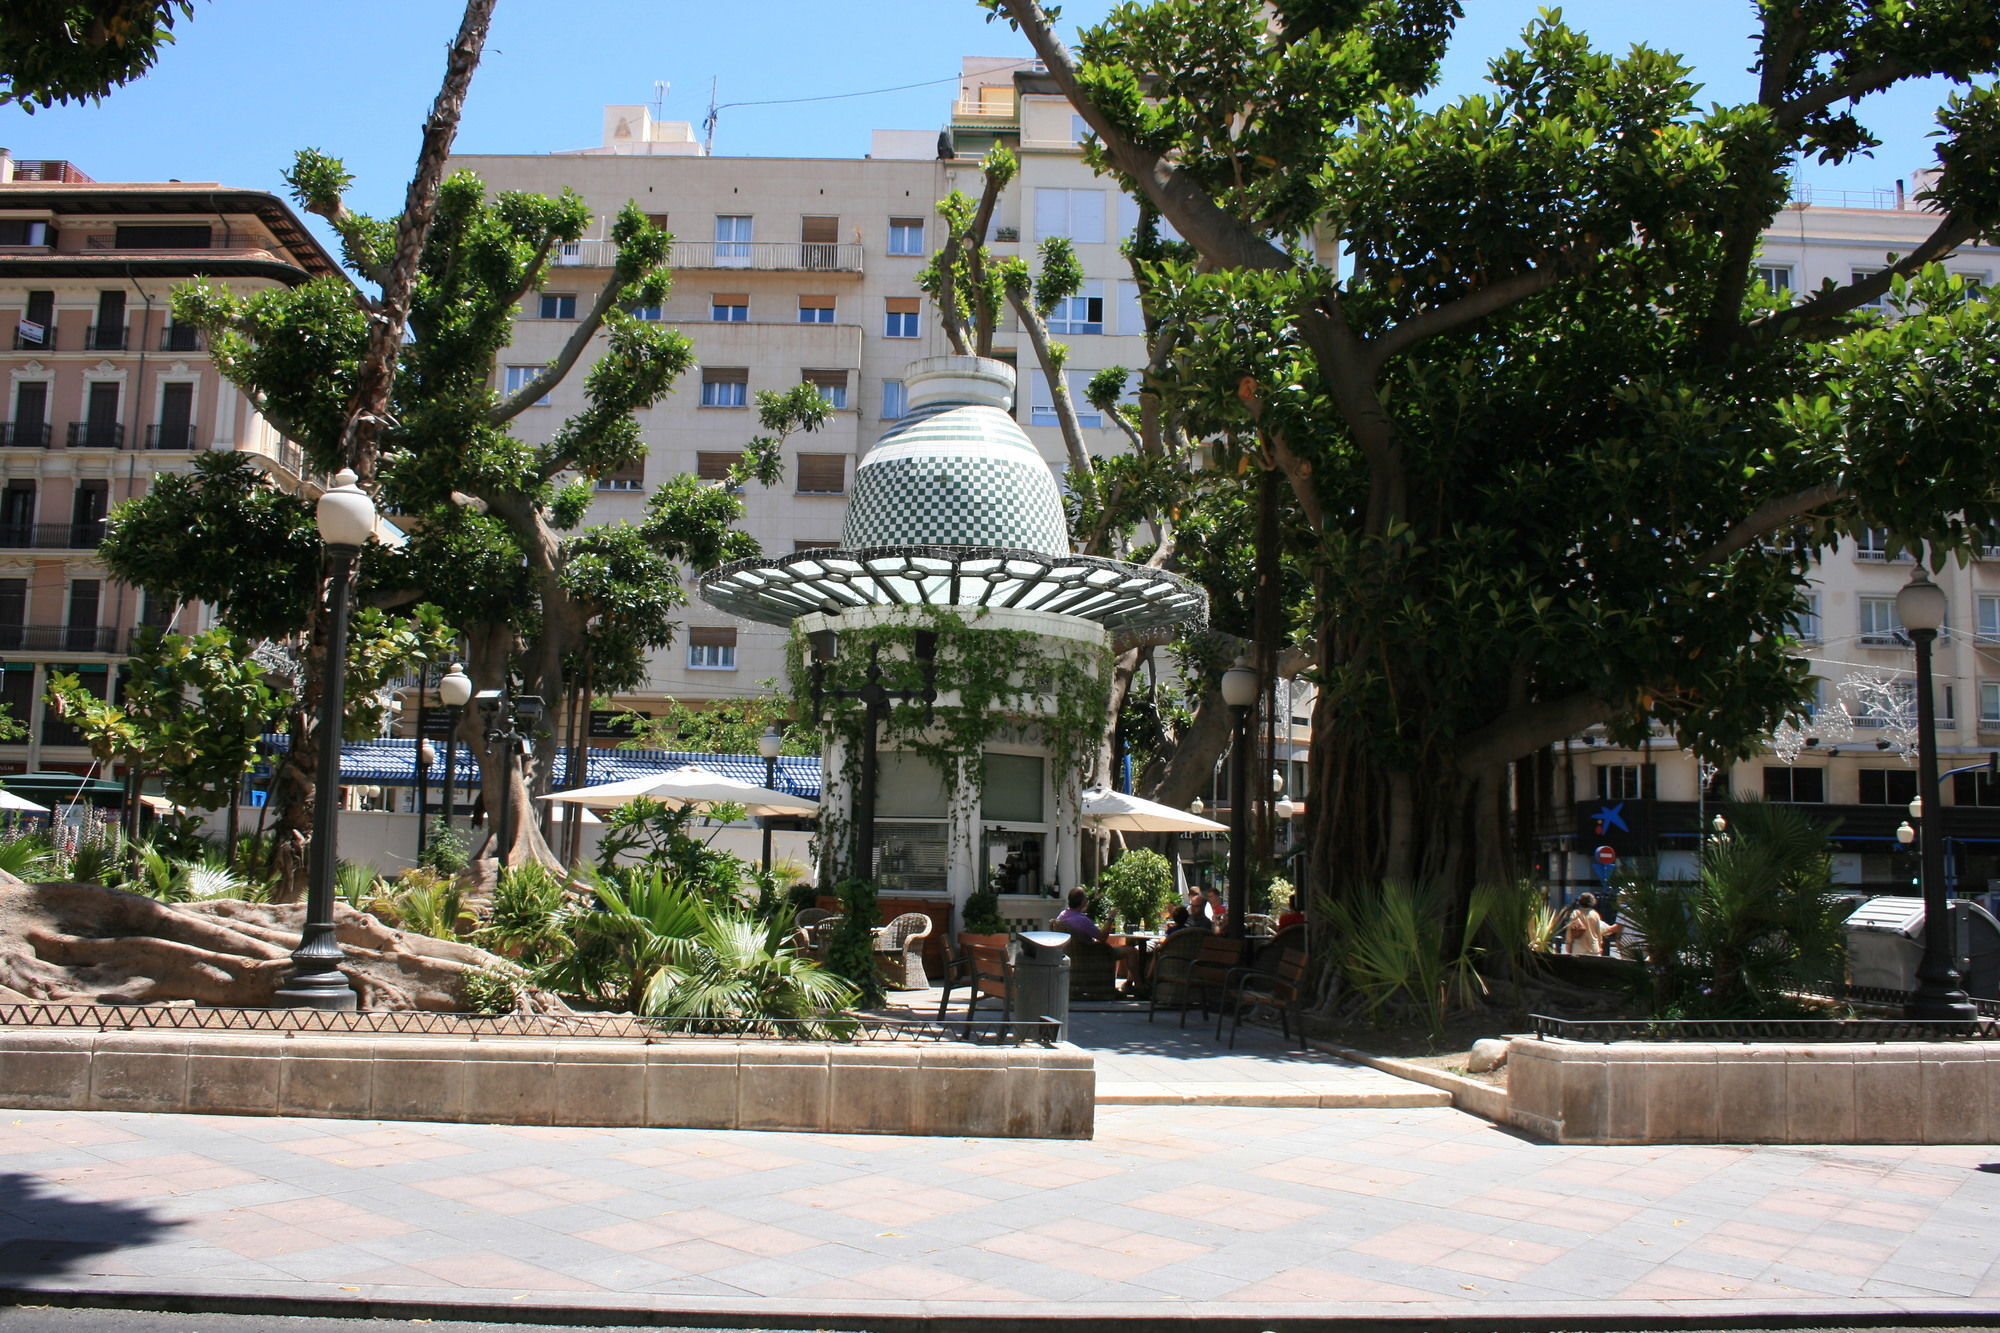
(27, 856)
(528, 917)
(982, 913)
(1761, 916)
(59, 51)
(488, 991)
(656, 836)
(724, 726)
(425, 903)
(192, 710)
(1138, 886)
(357, 884)
(850, 953)
(1396, 950)
(447, 851)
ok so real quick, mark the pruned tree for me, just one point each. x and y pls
(1534, 427)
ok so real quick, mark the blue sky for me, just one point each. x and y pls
(250, 81)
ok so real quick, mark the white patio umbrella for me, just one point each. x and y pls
(9, 801)
(687, 786)
(1107, 809)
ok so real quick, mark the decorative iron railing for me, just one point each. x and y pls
(1795, 1030)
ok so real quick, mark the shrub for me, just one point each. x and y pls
(982, 914)
(446, 849)
(851, 951)
(1138, 886)
(528, 914)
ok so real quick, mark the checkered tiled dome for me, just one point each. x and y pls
(958, 470)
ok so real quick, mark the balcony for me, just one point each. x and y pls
(81, 536)
(104, 338)
(24, 435)
(61, 638)
(753, 256)
(97, 435)
(172, 436)
(45, 341)
(987, 113)
(181, 338)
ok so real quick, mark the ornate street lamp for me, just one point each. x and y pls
(346, 521)
(455, 689)
(1240, 688)
(1921, 606)
(1196, 806)
(771, 744)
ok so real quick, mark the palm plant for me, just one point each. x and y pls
(27, 856)
(528, 914)
(426, 904)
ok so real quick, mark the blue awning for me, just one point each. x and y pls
(392, 762)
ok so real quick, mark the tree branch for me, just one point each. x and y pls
(1815, 318)
(1082, 475)
(572, 351)
(1770, 516)
(1524, 730)
(1472, 307)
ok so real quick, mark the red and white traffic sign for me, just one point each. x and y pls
(1607, 856)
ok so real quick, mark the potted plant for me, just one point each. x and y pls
(1137, 888)
(981, 923)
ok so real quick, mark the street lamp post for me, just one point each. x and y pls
(455, 689)
(875, 698)
(1239, 691)
(1921, 608)
(771, 744)
(346, 521)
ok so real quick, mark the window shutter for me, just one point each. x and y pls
(822, 474)
(713, 466)
(819, 231)
(905, 305)
(1051, 213)
(712, 636)
(730, 298)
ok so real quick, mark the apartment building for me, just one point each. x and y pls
(103, 392)
(790, 270)
(1854, 760)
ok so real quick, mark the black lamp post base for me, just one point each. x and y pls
(1941, 1005)
(316, 990)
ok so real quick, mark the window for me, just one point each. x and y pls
(19, 231)
(906, 236)
(1042, 403)
(819, 244)
(38, 321)
(729, 307)
(80, 630)
(1076, 214)
(1805, 622)
(519, 378)
(822, 474)
(1989, 619)
(1879, 624)
(1627, 782)
(1879, 303)
(1873, 544)
(903, 318)
(652, 314)
(30, 426)
(1804, 786)
(558, 305)
(100, 427)
(156, 612)
(895, 400)
(832, 385)
(108, 333)
(1128, 220)
(1131, 314)
(1082, 313)
(17, 515)
(1775, 279)
(1078, 128)
(1975, 789)
(815, 310)
(175, 428)
(725, 386)
(155, 236)
(95, 681)
(631, 477)
(711, 648)
(13, 619)
(1012, 790)
(714, 466)
(1989, 704)
(613, 724)
(1888, 786)
(732, 240)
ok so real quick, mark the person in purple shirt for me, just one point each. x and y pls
(1076, 921)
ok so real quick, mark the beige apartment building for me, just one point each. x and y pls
(103, 392)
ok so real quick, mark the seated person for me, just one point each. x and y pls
(1291, 916)
(1179, 920)
(1218, 910)
(1077, 921)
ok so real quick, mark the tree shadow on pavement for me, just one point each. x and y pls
(45, 1234)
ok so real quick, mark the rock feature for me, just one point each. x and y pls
(1488, 1054)
(82, 943)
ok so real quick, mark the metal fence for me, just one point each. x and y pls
(1796, 1030)
(385, 1022)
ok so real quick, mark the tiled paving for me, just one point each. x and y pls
(1181, 1211)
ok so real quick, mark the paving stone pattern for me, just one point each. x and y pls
(1187, 1210)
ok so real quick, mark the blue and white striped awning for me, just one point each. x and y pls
(392, 762)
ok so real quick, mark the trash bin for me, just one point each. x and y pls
(1041, 982)
(1885, 942)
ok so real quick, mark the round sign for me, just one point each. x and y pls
(1607, 856)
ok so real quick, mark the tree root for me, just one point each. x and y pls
(82, 943)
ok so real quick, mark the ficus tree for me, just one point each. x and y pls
(58, 51)
(1535, 429)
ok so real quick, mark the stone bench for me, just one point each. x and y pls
(863, 1088)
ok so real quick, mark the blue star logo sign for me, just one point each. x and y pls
(1609, 817)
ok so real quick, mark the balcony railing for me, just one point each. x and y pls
(171, 436)
(45, 341)
(97, 435)
(180, 338)
(83, 536)
(24, 435)
(104, 338)
(61, 638)
(759, 256)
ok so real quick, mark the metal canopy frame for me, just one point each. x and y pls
(1113, 593)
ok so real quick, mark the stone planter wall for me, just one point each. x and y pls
(1755, 1092)
(866, 1088)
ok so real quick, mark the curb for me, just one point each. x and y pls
(1468, 1095)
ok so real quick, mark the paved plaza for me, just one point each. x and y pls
(1270, 1213)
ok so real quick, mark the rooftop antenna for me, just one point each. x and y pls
(708, 125)
(660, 90)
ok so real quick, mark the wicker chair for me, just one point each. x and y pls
(900, 945)
(1173, 960)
